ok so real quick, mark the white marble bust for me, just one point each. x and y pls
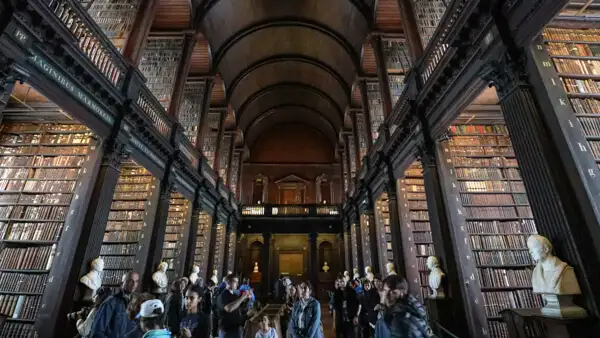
(255, 267)
(161, 281)
(326, 267)
(194, 274)
(435, 278)
(554, 279)
(369, 273)
(346, 276)
(214, 277)
(390, 269)
(355, 274)
(93, 279)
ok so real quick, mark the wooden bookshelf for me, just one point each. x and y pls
(428, 14)
(219, 259)
(115, 18)
(375, 108)
(125, 222)
(418, 243)
(201, 255)
(191, 109)
(178, 219)
(40, 165)
(384, 231)
(354, 248)
(209, 145)
(367, 227)
(224, 156)
(498, 217)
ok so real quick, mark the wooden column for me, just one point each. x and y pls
(152, 239)
(208, 85)
(343, 180)
(190, 251)
(340, 244)
(180, 267)
(313, 263)
(182, 73)
(265, 255)
(230, 158)
(238, 187)
(348, 162)
(411, 30)
(213, 241)
(227, 248)
(348, 246)
(356, 132)
(395, 225)
(220, 137)
(382, 76)
(82, 234)
(359, 243)
(364, 97)
(136, 41)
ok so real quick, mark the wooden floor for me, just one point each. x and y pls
(327, 320)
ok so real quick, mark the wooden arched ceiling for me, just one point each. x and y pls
(273, 53)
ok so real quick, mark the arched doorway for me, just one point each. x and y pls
(326, 255)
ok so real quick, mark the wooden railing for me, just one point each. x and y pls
(291, 210)
(90, 39)
(154, 110)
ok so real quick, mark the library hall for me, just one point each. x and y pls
(299, 168)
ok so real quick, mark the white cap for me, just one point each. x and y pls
(148, 307)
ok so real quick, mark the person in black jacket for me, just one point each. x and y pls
(369, 300)
(347, 310)
(174, 307)
(195, 323)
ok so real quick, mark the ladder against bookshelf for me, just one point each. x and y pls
(202, 244)
(498, 217)
(384, 232)
(40, 165)
(125, 222)
(177, 223)
(416, 232)
(575, 54)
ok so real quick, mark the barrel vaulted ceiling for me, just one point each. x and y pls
(292, 61)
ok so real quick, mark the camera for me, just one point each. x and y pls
(81, 314)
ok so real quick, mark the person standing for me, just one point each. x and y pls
(133, 311)
(347, 310)
(195, 323)
(174, 306)
(111, 318)
(246, 287)
(84, 325)
(403, 315)
(279, 290)
(306, 315)
(152, 319)
(369, 301)
(266, 331)
(231, 320)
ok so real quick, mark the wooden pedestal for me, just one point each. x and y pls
(531, 323)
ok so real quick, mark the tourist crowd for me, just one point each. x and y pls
(360, 309)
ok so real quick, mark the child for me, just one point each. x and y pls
(265, 330)
(153, 319)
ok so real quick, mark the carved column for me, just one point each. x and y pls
(382, 76)
(411, 30)
(182, 73)
(153, 236)
(348, 162)
(136, 41)
(84, 227)
(342, 177)
(220, 137)
(313, 263)
(208, 85)
(238, 187)
(230, 158)
(395, 225)
(356, 142)
(364, 97)
(265, 262)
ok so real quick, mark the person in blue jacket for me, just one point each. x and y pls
(306, 315)
(246, 287)
(111, 319)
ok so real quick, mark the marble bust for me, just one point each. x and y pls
(214, 277)
(160, 279)
(93, 279)
(255, 267)
(435, 278)
(326, 267)
(355, 274)
(346, 276)
(390, 269)
(194, 274)
(554, 279)
(369, 273)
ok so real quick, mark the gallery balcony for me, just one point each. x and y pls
(291, 218)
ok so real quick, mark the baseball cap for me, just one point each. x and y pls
(149, 308)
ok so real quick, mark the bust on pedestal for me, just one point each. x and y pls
(194, 274)
(390, 269)
(435, 278)
(346, 276)
(255, 267)
(93, 279)
(214, 277)
(554, 280)
(369, 274)
(160, 279)
(325, 267)
(355, 274)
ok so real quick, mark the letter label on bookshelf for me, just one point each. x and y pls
(562, 102)
(582, 147)
(592, 173)
(547, 64)
(539, 47)
(20, 36)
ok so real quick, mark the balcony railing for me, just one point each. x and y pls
(290, 210)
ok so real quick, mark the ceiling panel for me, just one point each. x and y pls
(218, 93)
(172, 14)
(387, 16)
(356, 99)
(200, 63)
(368, 60)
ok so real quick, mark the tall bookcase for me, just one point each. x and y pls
(366, 228)
(125, 221)
(497, 216)
(384, 231)
(354, 249)
(40, 166)
(375, 108)
(575, 54)
(416, 230)
(178, 219)
(115, 18)
(202, 244)
(219, 258)
(428, 14)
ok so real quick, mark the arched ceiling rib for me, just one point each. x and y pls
(293, 53)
